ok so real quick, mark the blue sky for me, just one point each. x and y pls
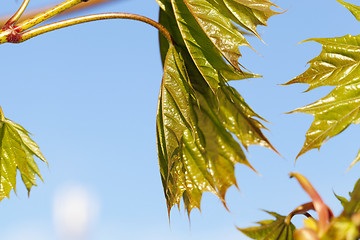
(89, 93)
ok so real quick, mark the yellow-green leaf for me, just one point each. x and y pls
(342, 228)
(276, 229)
(250, 14)
(353, 205)
(197, 152)
(337, 65)
(16, 153)
(209, 14)
(173, 118)
(355, 10)
(357, 159)
(196, 144)
(346, 226)
(201, 49)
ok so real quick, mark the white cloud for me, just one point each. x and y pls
(75, 209)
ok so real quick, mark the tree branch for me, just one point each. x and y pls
(89, 18)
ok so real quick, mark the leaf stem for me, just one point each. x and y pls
(324, 212)
(95, 17)
(11, 33)
(302, 209)
(31, 22)
(18, 14)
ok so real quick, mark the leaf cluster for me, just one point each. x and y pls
(337, 65)
(204, 126)
(17, 152)
(346, 226)
(199, 113)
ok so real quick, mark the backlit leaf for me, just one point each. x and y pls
(271, 229)
(353, 205)
(337, 65)
(173, 118)
(355, 10)
(357, 159)
(197, 122)
(342, 228)
(250, 14)
(17, 152)
(347, 225)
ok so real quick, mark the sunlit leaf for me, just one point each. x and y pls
(357, 159)
(337, 65)
(342, 228)
(353, 205)
(17, 152)
(271, 229)
(201, 151)
(347, 225)
(343, 200)
(197, 152)
(201, 49)
(249, 14)
(173, 118)
(355, 10)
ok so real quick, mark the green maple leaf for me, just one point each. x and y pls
(342, 228)
(355, 10)
(16, 153)
(354, 197)
(271, 229)
(337, 65)
(357, 159)
(199, 113)
(353, 205)
(206, 30)
(347, 225)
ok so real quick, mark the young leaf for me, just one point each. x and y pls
(202, 51)
(197, 153)
(173, 118)
(16, 153)
(355, 10)
(271, 229)
(250, 14)
(347, 225)
(337, 65)
(203, 151)
(342, 200)
(342, 228)
(353, 206)
(357, 159)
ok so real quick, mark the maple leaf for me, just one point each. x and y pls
(327, 227)
(354, 198)
(199, 113)
(337, 65)
(355, 10)
(271, 229)
(207, 31)
(347, 225)
(16, 153)
(357, 159)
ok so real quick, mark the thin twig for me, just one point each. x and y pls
(31, 22)
(18, 14)
(89, 18)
